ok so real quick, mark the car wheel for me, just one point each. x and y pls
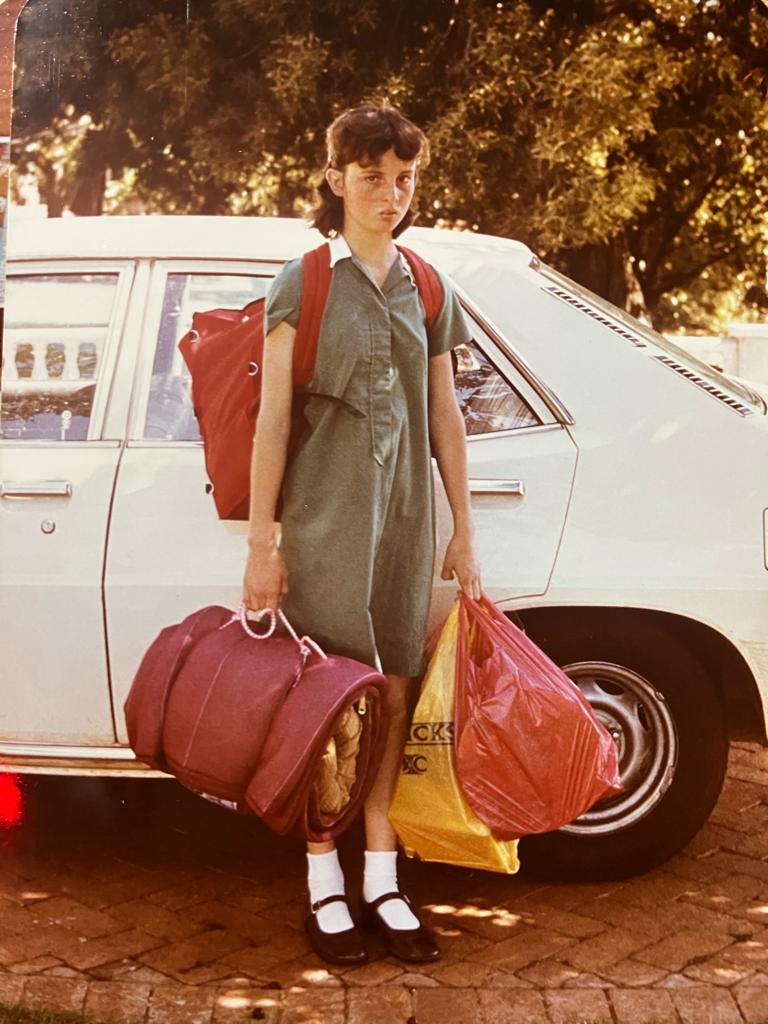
(667, 720)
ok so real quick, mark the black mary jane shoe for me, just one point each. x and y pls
(345, 948)
(414, 945)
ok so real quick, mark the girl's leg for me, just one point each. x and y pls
(381, 841)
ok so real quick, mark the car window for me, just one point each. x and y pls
(55, 333)
(487, 400)
(169, 411)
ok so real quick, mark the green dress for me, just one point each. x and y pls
(358, 507)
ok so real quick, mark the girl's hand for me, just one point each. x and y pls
(461, 562)
(265, 579)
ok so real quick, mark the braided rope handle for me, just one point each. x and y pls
(305, 643)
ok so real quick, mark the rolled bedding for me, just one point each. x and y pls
(269, 725)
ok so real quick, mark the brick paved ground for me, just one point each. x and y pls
(137, 902)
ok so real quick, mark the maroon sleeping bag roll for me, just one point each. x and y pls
(247, 718)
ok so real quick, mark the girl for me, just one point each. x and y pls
(355, 561)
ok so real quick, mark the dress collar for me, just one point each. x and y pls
(340, 250)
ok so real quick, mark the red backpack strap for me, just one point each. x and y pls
(428, 283)
(317, 282)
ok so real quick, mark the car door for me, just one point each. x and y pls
(57, 472)
(521, 461)
(169, 554)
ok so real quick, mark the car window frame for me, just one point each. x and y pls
(125, 271)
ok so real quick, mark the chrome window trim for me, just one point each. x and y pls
(39, 442)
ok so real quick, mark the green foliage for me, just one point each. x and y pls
(624, 140)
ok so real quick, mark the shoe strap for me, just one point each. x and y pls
(337, 898)
(375, 904)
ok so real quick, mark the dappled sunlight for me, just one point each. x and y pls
(495, 915)
(239, 999)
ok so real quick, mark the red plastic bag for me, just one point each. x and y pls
(530, 754)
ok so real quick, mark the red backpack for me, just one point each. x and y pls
(224, 351)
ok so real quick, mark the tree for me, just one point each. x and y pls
(624, 140)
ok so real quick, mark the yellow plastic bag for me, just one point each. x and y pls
(428, 812)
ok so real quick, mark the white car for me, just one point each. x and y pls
(620, 495)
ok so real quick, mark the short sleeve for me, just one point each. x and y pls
(450, 328)
(284, 297)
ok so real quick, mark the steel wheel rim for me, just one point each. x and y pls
(638, 717)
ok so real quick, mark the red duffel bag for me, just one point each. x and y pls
(260, 721)
(530, 754)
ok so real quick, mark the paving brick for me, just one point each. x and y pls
(78, 918)
(36, 966)
(752, 952)
(458, 945)
(571, 897)
(174, 1004)
(718, 971)
(436, 1006)
(548, 974)
(677, 981)
(214, 913)
(178, 897)
(571, 1006)
(513, 1006)
(608, 948)
(129, 943)
(753, 1003)
(732, 863)
(54, 994)
(468, 975)
(373, 973)
(182, 960)
(522, 950)
(577, 926)
(389, 1006)
(642, 1005)
(489, 923)
(706, 1006)
(703, 870)
(675, 952)
(154, 920)
(327, 1008)
(411, 980)
(122, 1003)
(632, 974)
(10, 988)
(727, 895)
(233, 1005)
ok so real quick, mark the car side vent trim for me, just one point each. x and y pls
(596, 315)
(705, 385)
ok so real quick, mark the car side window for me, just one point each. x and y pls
(487, 400)
(170, 415)
(55, 332)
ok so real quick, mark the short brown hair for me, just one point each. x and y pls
(363, 134)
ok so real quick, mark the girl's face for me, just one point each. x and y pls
(376, 195)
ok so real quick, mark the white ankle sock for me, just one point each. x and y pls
(325, 878)
(380, 877)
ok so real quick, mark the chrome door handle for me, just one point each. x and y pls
(36, 489)
(497, 487)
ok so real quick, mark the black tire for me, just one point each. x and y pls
(673, 743)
